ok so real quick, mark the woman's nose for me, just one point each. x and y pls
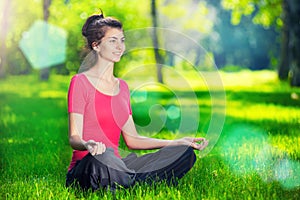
(120, 45)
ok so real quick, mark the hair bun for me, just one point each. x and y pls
(90, 20)
(101, 16)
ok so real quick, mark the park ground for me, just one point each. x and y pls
(256, 155)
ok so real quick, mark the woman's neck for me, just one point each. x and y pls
(103, 70)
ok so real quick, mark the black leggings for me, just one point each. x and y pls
(106, 170)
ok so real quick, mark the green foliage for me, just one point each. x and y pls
(238, 8)
(205, 22)
(267, 12)
(35, 152)
(187, 15)
(20, 17)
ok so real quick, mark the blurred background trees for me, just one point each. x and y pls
(246, 34)
(284, 15)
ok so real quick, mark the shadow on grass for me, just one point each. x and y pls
(276, 98)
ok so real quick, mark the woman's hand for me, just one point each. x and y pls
(95, 147)
(196, 143)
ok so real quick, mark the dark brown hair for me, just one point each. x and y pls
(95, 27)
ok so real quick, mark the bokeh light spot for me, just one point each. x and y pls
(139, 96)
(173, 112)
(44, 44)
(287, 172)
(241, 145)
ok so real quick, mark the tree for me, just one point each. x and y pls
(283, 68)
(158, 57)
(290, 53)
(284, 14)
(290, 49)
(44, 73)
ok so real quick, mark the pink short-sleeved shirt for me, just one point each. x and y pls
(103, 115)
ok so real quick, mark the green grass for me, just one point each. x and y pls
(256, 157)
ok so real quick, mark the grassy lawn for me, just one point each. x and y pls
(256, 156)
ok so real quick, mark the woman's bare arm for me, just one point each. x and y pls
(135, 141)
(75, 136)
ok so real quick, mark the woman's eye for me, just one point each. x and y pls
(112, 41)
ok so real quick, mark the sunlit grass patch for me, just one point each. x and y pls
(31, 86)
(247, 79)
(259, 111)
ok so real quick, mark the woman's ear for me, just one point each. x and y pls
(96, 46)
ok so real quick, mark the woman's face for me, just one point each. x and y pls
(112, 45)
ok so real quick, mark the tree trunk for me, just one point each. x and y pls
(45, 72)
(158, 57)
(295, 41)
(3, 34)
(284, 65)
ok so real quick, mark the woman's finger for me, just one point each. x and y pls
(89, 148)
(199, 146)
(198, 139)
(203, 145)
(194, 145)
(104, 148)
(95, 149)
(101, 148)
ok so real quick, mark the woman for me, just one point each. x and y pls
(99, 111)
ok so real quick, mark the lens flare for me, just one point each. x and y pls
(242, 144)
(139, 96)
(44, 45)
(287, 172)
(173, 112)
(246, 150)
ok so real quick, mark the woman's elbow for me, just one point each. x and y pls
(72, 143)
(74, 140)
(131, 144)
